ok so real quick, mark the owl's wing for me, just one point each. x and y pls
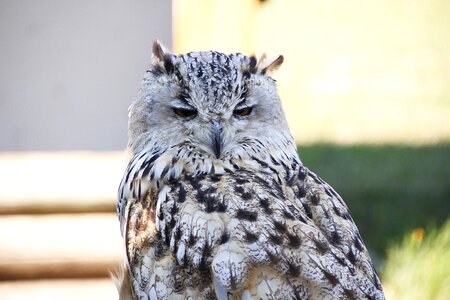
(338, 256)
(291, 238)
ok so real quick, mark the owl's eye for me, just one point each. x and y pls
(184, 112)
(242, 112)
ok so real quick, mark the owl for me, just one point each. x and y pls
(215, 202)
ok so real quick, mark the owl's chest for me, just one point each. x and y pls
(197, 221)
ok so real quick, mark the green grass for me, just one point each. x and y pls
(419, 268)
(389, 189)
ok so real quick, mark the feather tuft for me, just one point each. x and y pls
(121, 280)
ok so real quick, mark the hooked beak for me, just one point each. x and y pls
(217, 138)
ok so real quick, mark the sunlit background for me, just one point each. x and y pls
(365, 86)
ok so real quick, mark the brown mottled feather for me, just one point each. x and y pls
(121, 280)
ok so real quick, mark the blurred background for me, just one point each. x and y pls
(365, 86)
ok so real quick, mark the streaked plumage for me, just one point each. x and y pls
(215, 202)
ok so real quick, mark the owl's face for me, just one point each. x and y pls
(216, 105)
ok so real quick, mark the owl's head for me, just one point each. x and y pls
(216, 105)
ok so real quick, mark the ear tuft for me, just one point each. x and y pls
(157, 52)
(168, 64)
(269, 66)
(161, 57)
(253, 67)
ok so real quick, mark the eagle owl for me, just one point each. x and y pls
(215, 202)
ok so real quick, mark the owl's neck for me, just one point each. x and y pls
(169, 164)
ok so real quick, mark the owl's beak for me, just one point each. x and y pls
(217, 138)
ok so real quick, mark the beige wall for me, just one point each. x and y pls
(70, 69)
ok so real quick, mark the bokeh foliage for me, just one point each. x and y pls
(419, 267)
(389, 189)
